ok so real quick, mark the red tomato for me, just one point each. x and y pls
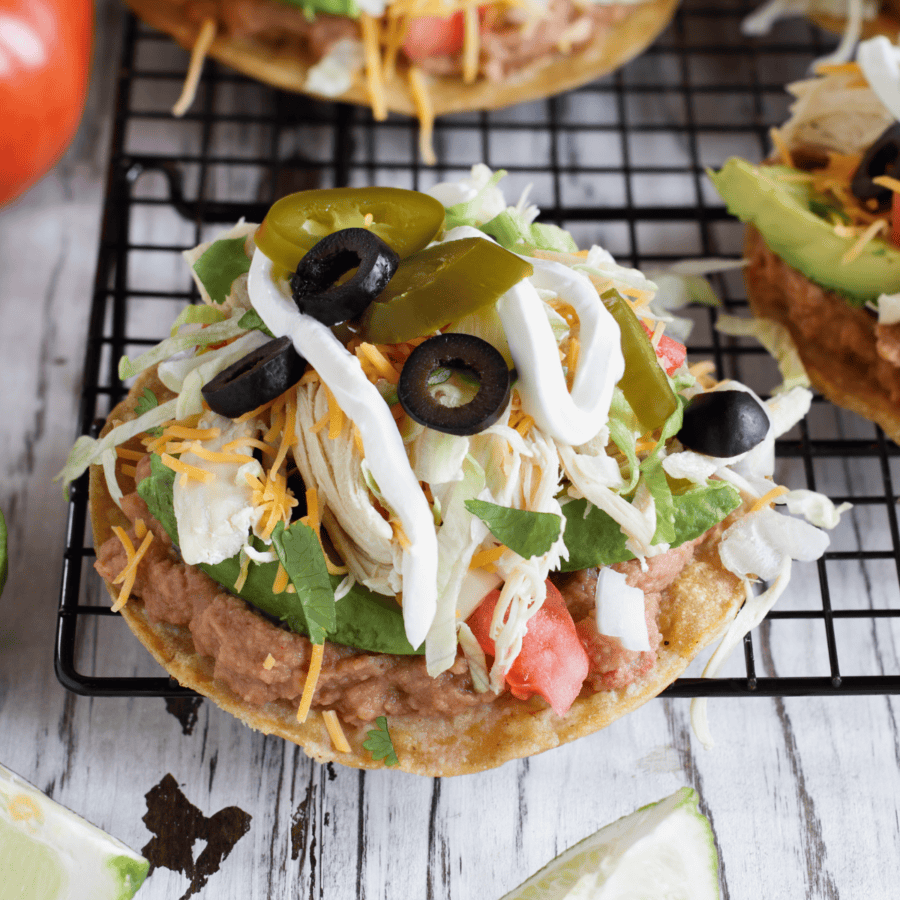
(433, 36)
(552, 663)
(45, 50)
(895, 220)
(670, 352)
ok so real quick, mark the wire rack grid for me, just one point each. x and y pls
(620, 163)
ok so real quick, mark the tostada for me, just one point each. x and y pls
(421, 483)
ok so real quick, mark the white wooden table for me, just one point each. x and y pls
(802, 792)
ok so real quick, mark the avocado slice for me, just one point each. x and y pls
(782, 211)
(364, 620)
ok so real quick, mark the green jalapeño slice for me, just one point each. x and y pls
(440, 285)
(405, 220)
(644, 383)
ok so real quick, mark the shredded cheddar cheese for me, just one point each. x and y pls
(768, 498)
(241, 580)
(867, 236)
(205, 38)
(488, 557)
(312, 678)
(781, 147)
(125, 453)
(187, 469)
(133, 558)
(335, 732)
(269, 662)
(279, 585)
(221, 457)
(885, 181)
(418, 88)
(371, 40)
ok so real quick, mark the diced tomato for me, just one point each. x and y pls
(552, 663)
(671, 354)
(895, 220)
(433, 36)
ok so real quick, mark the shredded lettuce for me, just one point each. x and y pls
(473, 211)
(197, 314)
(776, 339)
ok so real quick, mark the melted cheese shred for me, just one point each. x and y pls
(312, 679)
(471, 43)
(335, 732)
(418, 88)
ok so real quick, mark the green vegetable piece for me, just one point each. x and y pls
(439, 285)
(513, 231)
(347, 8)
(379, 744)
(301, 555)
(405, 220)
(523, 531)
(251, 320)
(220, 265)
(644, 384)
(363, 619)
(597, 539)
(783, 213)
(146, 402)
(4, 557)
(197, 314)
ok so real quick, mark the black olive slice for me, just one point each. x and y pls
(723, 423)
(460, 352)
(257, 378)
(313, 284)
(882, 158)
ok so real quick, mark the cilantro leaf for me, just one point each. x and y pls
(4, 559)
(523, 531)
(378, 743)
(596, 539)
(146, 402)
(301, 554)
(220, 265)
(156, 492)
(252, 320)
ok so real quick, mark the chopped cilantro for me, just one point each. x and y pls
(146, 402)
(220, 265)
(523, 531)
(252, 320)
(301, 554)
(378, 743)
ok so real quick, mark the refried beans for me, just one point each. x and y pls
(358, 685)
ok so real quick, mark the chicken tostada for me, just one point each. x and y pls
(461, 506)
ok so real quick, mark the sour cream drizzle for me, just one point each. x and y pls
(569, 418)
(879, 60)
(385, 454)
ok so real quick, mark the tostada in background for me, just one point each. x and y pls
(823, 242)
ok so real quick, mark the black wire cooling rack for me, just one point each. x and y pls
(619, 162)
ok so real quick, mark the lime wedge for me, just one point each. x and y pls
(49, 853)
(664, 851)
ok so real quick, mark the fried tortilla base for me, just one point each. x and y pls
(843, 384)
(704, 599)
(285, 69)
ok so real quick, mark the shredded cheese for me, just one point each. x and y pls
(867, 236)
(781, 148)
(205, 38)
(241, 580)
(269, 662)
(379, 362)
(768, 498)
(418, 88)
(374, 73)
(127, 576)
(133, 455)
(187, 469)
(221, 457)
(487, 557)
(312, 678)
(885, 181)
(279, 585)
(335, 732)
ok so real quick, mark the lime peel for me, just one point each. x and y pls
(49, 853)
(663, 850)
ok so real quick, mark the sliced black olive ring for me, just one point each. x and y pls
(723, 423)
(463, 352)
(882, 158)
(255, 379)
(313, 284)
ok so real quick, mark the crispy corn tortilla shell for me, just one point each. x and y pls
(706, 598)
(841, 384)
(886, 22)
(283, 68)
